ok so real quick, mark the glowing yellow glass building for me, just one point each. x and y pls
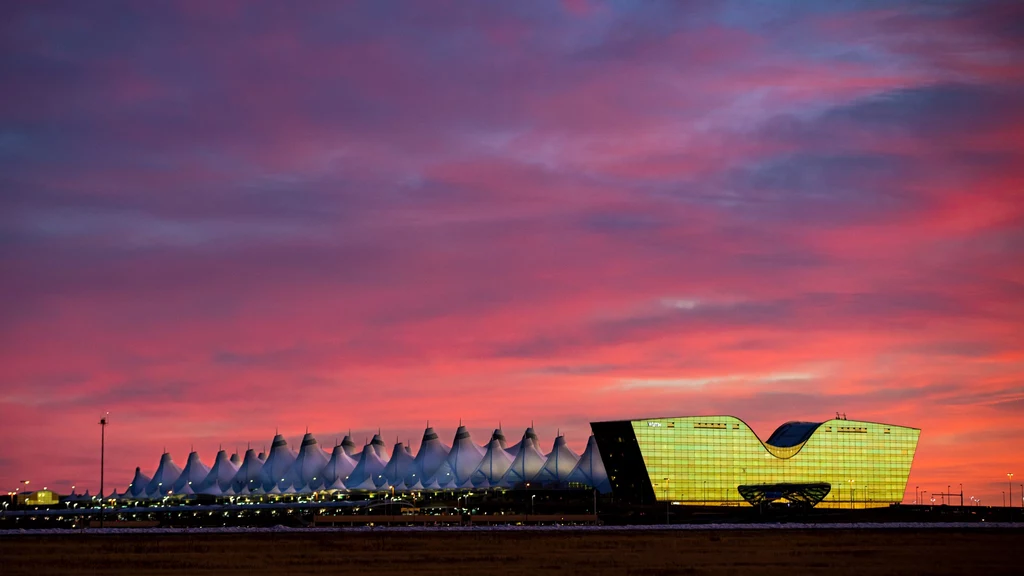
(710, 460)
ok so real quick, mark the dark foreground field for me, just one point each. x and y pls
(783, 552)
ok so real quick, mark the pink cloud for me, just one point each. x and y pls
(343, 220)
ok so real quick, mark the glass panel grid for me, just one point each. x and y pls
(701, 460)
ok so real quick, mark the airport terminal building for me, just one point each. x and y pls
(694, 460)
(719, 460)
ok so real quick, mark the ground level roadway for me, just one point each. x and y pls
(835, 552)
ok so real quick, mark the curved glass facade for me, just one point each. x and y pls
(701, 460)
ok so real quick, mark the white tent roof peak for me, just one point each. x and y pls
(527, 464)
(429, 458)
(492, 467)
(307, 469)
(220, 476)
(191, 475)
(558, 464)
(500, 437)
(339, 467)
(590, 470)
(349, 445)
(464, 457)
(140, 482)
(401, 464)
(369, 471)
(163, 480)
(278, 464)
(379, 447)
(528, 435)
(250, 473)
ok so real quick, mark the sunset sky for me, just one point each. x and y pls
(219, 218)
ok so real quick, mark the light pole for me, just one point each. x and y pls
(532, 496)
(961, 495)
(1009, 484)
(103, 447)
(851, 493)
(917, 494)
(705, 492)
(668, 502)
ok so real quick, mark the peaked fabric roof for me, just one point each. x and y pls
(250, 473)
(338, 468)
(528, 435)
(590, 469)
(435, 466)
(464, 457)
(163, 480)
(369, 471)
(432, 454)
(191, 475)
(307, 471)
(500, 437)
(558, 464)
(379, 447)
(277, 465)
(350, 446)
(220, 476)
(140, 482)
(528, 463)
(402, 464)
(493, 466)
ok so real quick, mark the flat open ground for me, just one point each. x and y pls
(783, 552)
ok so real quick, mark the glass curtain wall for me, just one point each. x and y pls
(702, 460)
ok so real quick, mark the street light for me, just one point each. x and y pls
(103, 446)
(851, 493)
(532, 496)
(668, 503)
(917, 494)
(1009, 484)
